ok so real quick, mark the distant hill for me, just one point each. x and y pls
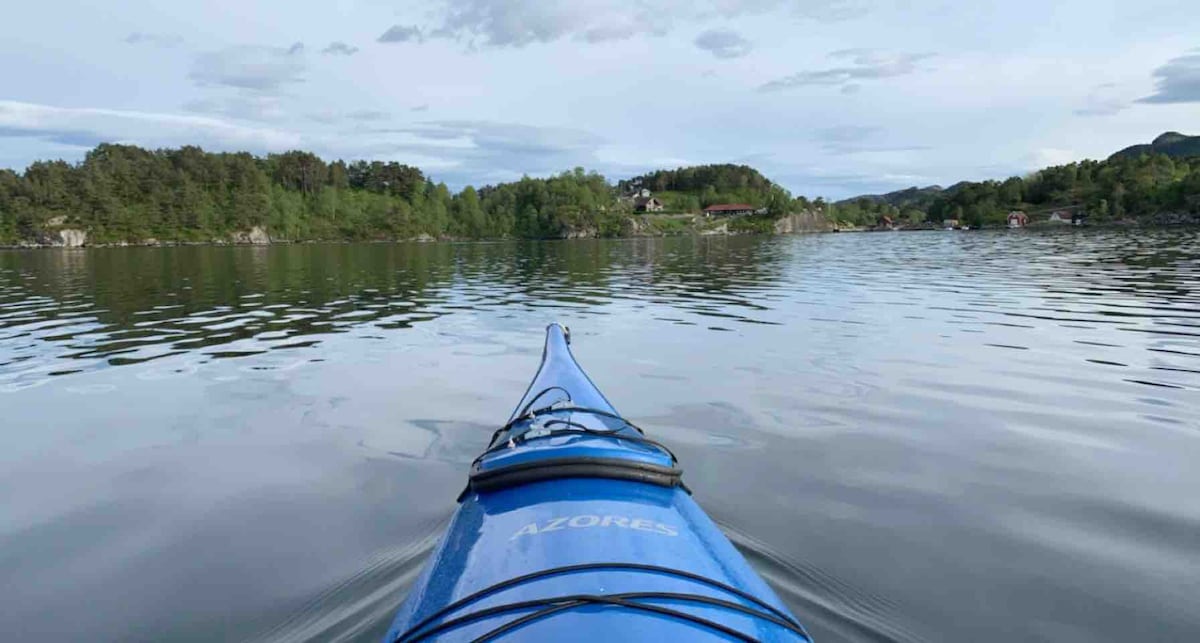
(1169, 143)
(913, 197)
(687, 189)
(724, 178)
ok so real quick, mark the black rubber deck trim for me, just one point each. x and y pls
(574, 467)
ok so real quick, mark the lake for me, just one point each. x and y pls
(941, 436)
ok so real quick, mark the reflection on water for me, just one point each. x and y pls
(913, 436)
(75, 311)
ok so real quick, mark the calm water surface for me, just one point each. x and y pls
(914, 437)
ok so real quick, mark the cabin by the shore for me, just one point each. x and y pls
(728, 209)
(1017, 219)
(1061, 216)
(647, 204)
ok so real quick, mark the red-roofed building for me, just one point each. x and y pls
(728, 209)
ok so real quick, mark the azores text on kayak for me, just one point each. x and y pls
(585, 521)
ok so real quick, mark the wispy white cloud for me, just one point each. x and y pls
(249, 67)
(480, 152)
(155, 39)
(1103, 100)
(402, 33)
(251, 106)
(339, 48)
(88, 126)
(724, 43)
(862, 65)
(1177, 81)
(1047, 156)
(858, 139)
(517, 23)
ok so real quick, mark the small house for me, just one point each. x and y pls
(728, 209)
(1017, 219)
(647, 204)
(950, 224)
(1060, 216)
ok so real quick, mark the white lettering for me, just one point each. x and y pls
(618, 521)
(585, 521)
(530, 529)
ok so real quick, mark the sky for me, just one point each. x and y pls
(828, 98)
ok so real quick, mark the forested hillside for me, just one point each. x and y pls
(1168, 143)
(121, 193)
(1121, 188)
(690, 189)
(125, 193)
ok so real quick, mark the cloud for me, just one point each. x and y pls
(862, 65)
(254, 106)
(857, 139)
(339, 48)
(331, 117)
(89, 126)
(462, 152)
(518, 23)
(835, 185)
(368, 115)
(254, 68)
(402, 33)
(1048, 156)
(724, 43)
(70, 137)
(834, 10)
(154, 39)
(1178, 81)
(424, 107)
(845, 134)
(1103, 100)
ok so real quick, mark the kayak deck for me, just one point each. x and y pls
(574, 526)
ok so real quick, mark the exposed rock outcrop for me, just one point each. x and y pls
(72, 238)
(255, 236)
(800, 222)
(64, 238)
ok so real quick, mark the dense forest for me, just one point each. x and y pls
(122, 193)
(1119, 189)
(690, 189)
(125, 193)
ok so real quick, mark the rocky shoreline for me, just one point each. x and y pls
(636, 227)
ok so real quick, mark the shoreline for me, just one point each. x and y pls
(786, 226)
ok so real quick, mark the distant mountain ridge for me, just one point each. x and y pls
(915, 197)
(1172, 144)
